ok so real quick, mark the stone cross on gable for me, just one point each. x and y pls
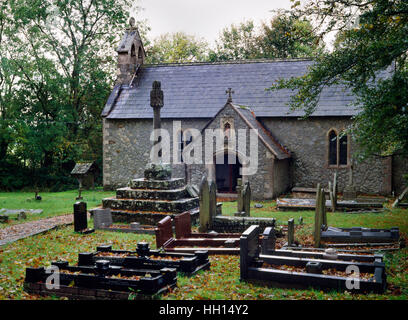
(229, 92)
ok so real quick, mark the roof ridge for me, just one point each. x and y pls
(248, 61)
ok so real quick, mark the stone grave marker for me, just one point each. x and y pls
(240, 203)
(291, 232)
(318, 222)
(268, 242)
(205, 214)
(80, 217)
(102, 218)
(246, 197)
(213, 202)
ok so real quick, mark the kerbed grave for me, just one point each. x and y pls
(186, 241)
(145, 258)
(302, 270)
(357, 236)
(101, 281)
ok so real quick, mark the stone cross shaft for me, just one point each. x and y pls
(229, 92)
(156, 102)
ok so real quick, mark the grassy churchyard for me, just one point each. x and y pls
(222, 282)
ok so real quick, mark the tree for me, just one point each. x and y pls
(58, 58)
(289, 37)
(237, 42)
(369, 58)
(176, 48)
(284, 36)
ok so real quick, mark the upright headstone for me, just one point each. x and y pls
(331, 195)
(246, 197)
(212, 202)
(205, 215)
(350, 191)
(268, 242)
(291, 232)
(80, 217)
(323, 211)
(317, 222)
(240, 206)
(102, 217)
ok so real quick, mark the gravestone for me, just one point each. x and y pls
(318, 222)
(213, 202)
(205, 214)
(102, 218)
(80, 217)
(268, 241)
(291, 232)
(403, 195)
(350, 191)
(246, 198)
(192, 191)
(240, 203)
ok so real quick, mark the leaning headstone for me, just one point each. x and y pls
(191, 191)
(246, 197)
(80, 217)
(240, 203)
(291, 232)
(335, 188)
(300, 220)
(400, 198)
(102, 218)
(204, 205)
(318, 222)
(213, 202)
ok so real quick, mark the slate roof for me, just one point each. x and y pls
(198, 91)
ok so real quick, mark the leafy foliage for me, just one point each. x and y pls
(284, 36)
(175, 48)
(370, 58)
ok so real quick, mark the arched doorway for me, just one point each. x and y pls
(226, 174)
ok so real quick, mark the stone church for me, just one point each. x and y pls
(291, 151)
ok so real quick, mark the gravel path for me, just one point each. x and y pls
(23, 230)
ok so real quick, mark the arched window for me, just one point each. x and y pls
(332, 148)
(337, 149)
(140, 53)
(227, 128)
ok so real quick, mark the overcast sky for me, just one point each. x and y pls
(204, 18)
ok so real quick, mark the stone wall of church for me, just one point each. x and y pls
(308, 142)
(126, 149)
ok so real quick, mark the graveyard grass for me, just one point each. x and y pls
(52, 203)
(222, 281)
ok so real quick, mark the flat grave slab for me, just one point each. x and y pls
(310, 204)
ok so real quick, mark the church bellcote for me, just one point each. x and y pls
(131, 54)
